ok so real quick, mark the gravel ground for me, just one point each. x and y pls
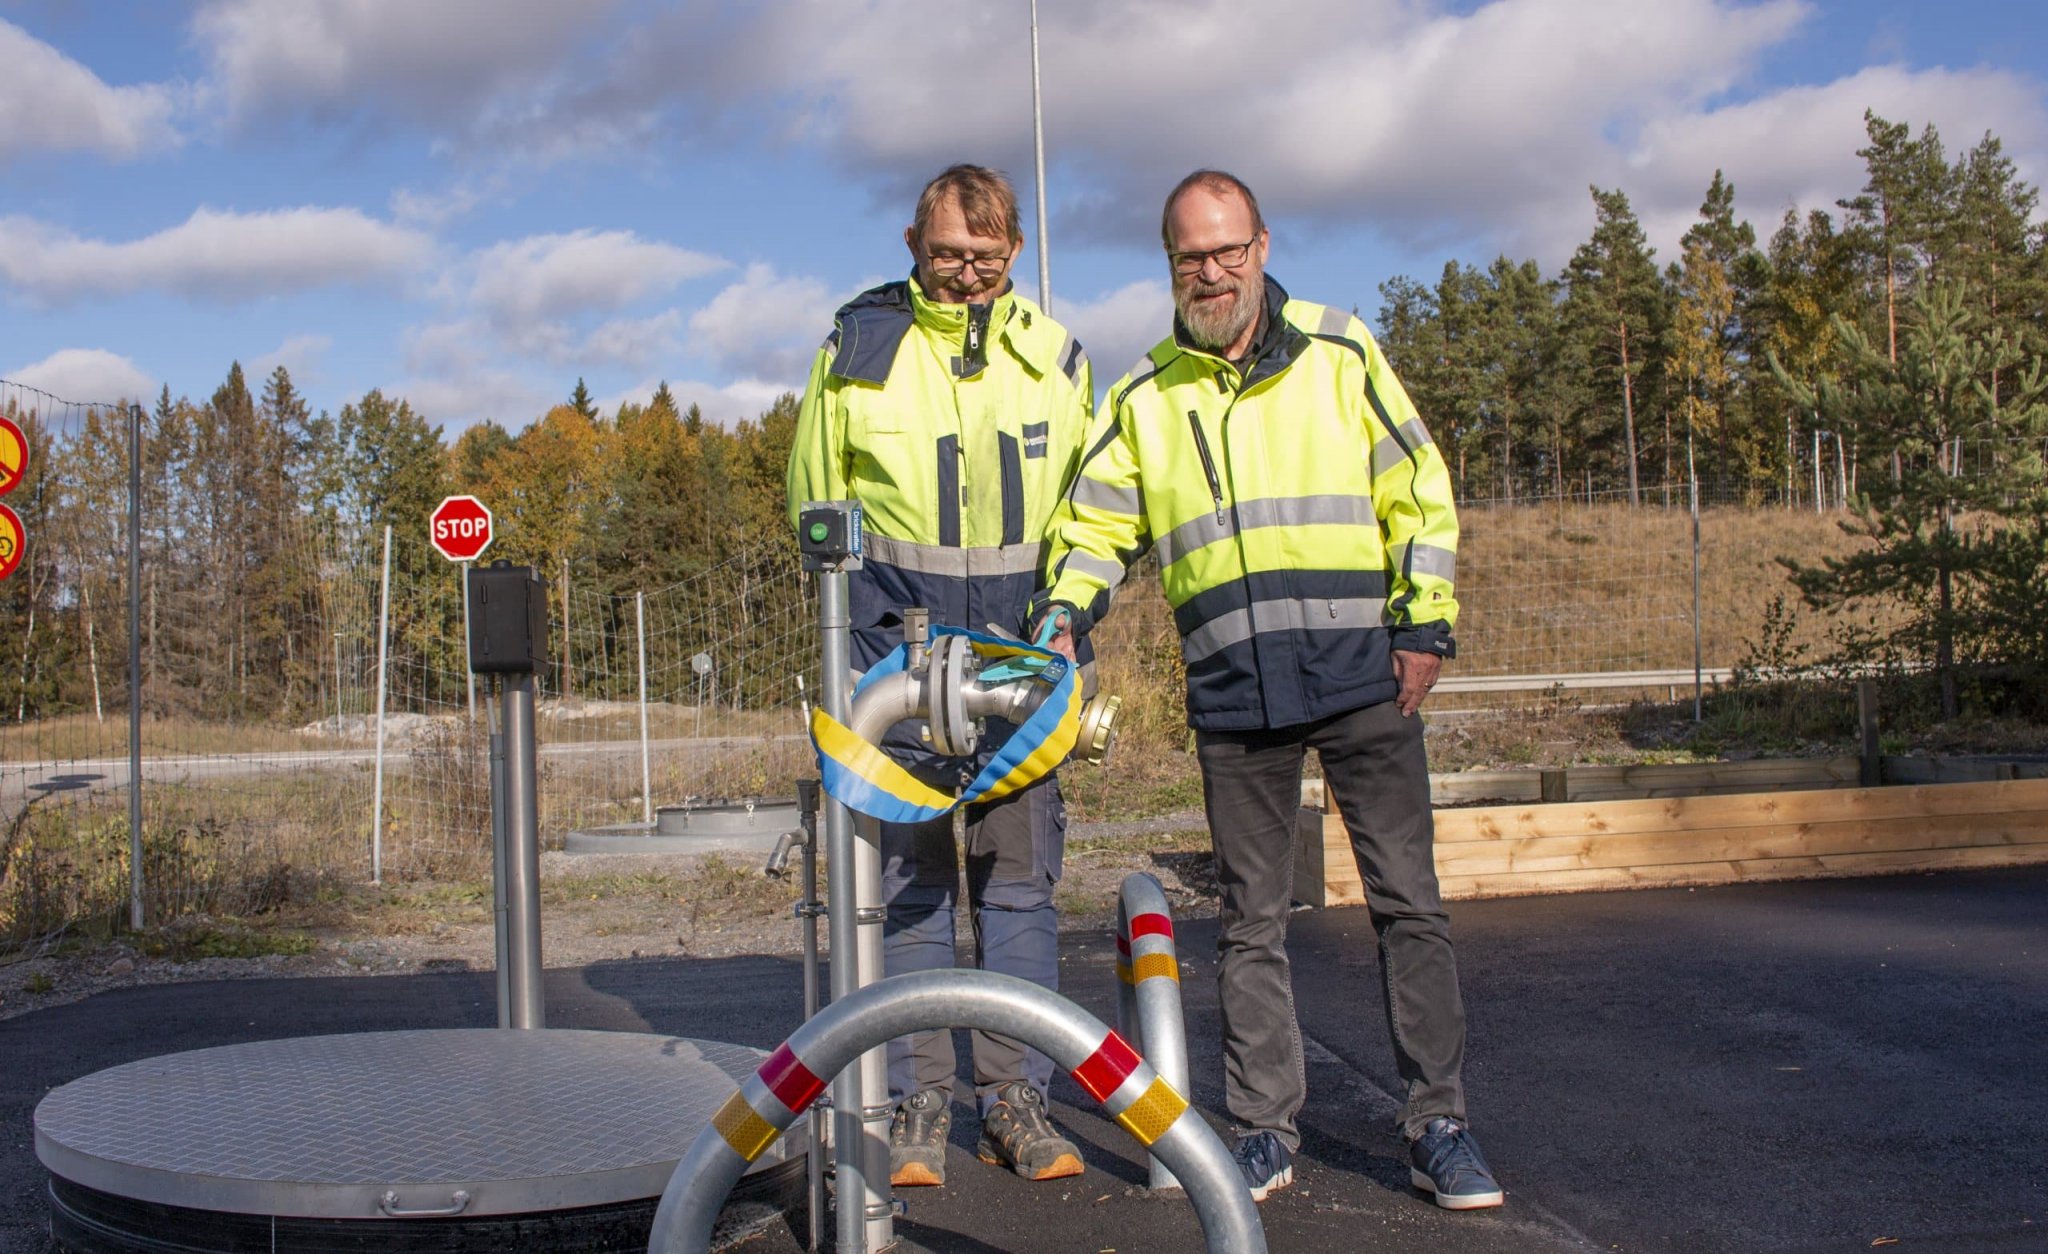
(582, 929)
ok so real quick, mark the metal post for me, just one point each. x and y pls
(383, 661)
(1871, 772)
(135, 918)
(1819, 505)
(1038, 139)
(807, 791)
(463, 583)
(501, 930)
(646, 765)
(1698, 667)
(337, 683)
(857, 1195)
(522, 860)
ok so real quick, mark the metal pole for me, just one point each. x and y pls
(383, 661)
(1698, 668)
(646, 766)
(807, 791)
(849, 1089)
(337, 683)
(522, 861)
(465, 639)
(135, 918)
(1038, 139)
(501, 931)
(1818, 505)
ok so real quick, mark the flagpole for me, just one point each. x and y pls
(1038, 138)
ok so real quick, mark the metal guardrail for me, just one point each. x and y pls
(1595, 679)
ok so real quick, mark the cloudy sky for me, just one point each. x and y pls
(475, 202)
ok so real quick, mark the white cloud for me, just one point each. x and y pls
(1118, 326)
(91, 375)
(225, 255)
(506, 397)
(766, 325)
(49, 101)
(729, 403)
(631, 342)
(540, 277)
(300, 355)
(436, 62)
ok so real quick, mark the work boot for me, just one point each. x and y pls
(917, 1138)
(1016, 1134)
(1445, 1162)
(1264, 1162)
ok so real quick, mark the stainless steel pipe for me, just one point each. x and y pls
(1130, 1090)
(1148, 1008)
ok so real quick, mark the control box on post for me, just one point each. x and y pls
(828, 535)
(508, 619)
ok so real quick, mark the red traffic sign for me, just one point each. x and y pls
(460, 528)
(13, 539)
(13, 456)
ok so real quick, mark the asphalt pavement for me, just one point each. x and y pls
(1837, 1065)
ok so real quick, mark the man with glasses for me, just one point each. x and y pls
(953, 410)
(1307, 541)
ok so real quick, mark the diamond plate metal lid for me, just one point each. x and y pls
(333, 1126)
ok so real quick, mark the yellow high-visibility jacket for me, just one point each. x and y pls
(958, 428)
(1302, 517)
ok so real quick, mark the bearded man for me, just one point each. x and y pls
(1307, 543)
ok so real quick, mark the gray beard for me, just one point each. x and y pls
(1218, 331)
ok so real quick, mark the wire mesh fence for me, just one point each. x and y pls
(307, 709)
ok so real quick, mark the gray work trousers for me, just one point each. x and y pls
(1375, 771)
(1014, 850)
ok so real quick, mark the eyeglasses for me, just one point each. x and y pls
(950, 264)
(1229, 257)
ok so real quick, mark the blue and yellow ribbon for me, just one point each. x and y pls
(867, 781)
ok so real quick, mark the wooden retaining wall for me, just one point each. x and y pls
(1730, 837)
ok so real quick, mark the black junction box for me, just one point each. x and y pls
(508, 619)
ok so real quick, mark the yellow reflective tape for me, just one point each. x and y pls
(747, 1132)
(1123, 972)
(1151, 1115)
(1145, 966)
(871, 764)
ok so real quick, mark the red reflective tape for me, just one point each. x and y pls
(1107, 1068)
(1152, 925)
(1123, 946)
(791, 1082)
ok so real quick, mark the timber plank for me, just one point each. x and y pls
(1930, 801)
(1708, 873)
(1737, 844)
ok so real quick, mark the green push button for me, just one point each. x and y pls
(818, 532)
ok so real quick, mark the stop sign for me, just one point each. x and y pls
(460, 528)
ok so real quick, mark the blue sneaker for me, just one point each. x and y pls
(1445, 1162)
(1265, 1162)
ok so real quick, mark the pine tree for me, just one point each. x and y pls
(1611, 308)
(1933, 534)
(580, 401)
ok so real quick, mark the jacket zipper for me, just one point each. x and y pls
(1208, 464)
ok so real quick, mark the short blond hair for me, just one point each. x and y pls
(987, 201)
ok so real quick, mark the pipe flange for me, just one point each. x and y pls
(1098, 728)
(953, 732)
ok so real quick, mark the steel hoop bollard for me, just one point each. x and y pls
(1130, 1091)
(1148, 1007)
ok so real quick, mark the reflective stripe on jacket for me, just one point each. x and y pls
(958, 429)
(1302, 517)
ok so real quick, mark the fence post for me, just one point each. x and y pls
(1698, 661)
(135, 918)
(463, 578)
(383, 666)
(1872, 773)
(646, 769)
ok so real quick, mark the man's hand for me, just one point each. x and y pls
(1056, 632)
(1416, 673)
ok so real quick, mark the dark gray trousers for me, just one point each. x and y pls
(1014, 850)
(1375, 771)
